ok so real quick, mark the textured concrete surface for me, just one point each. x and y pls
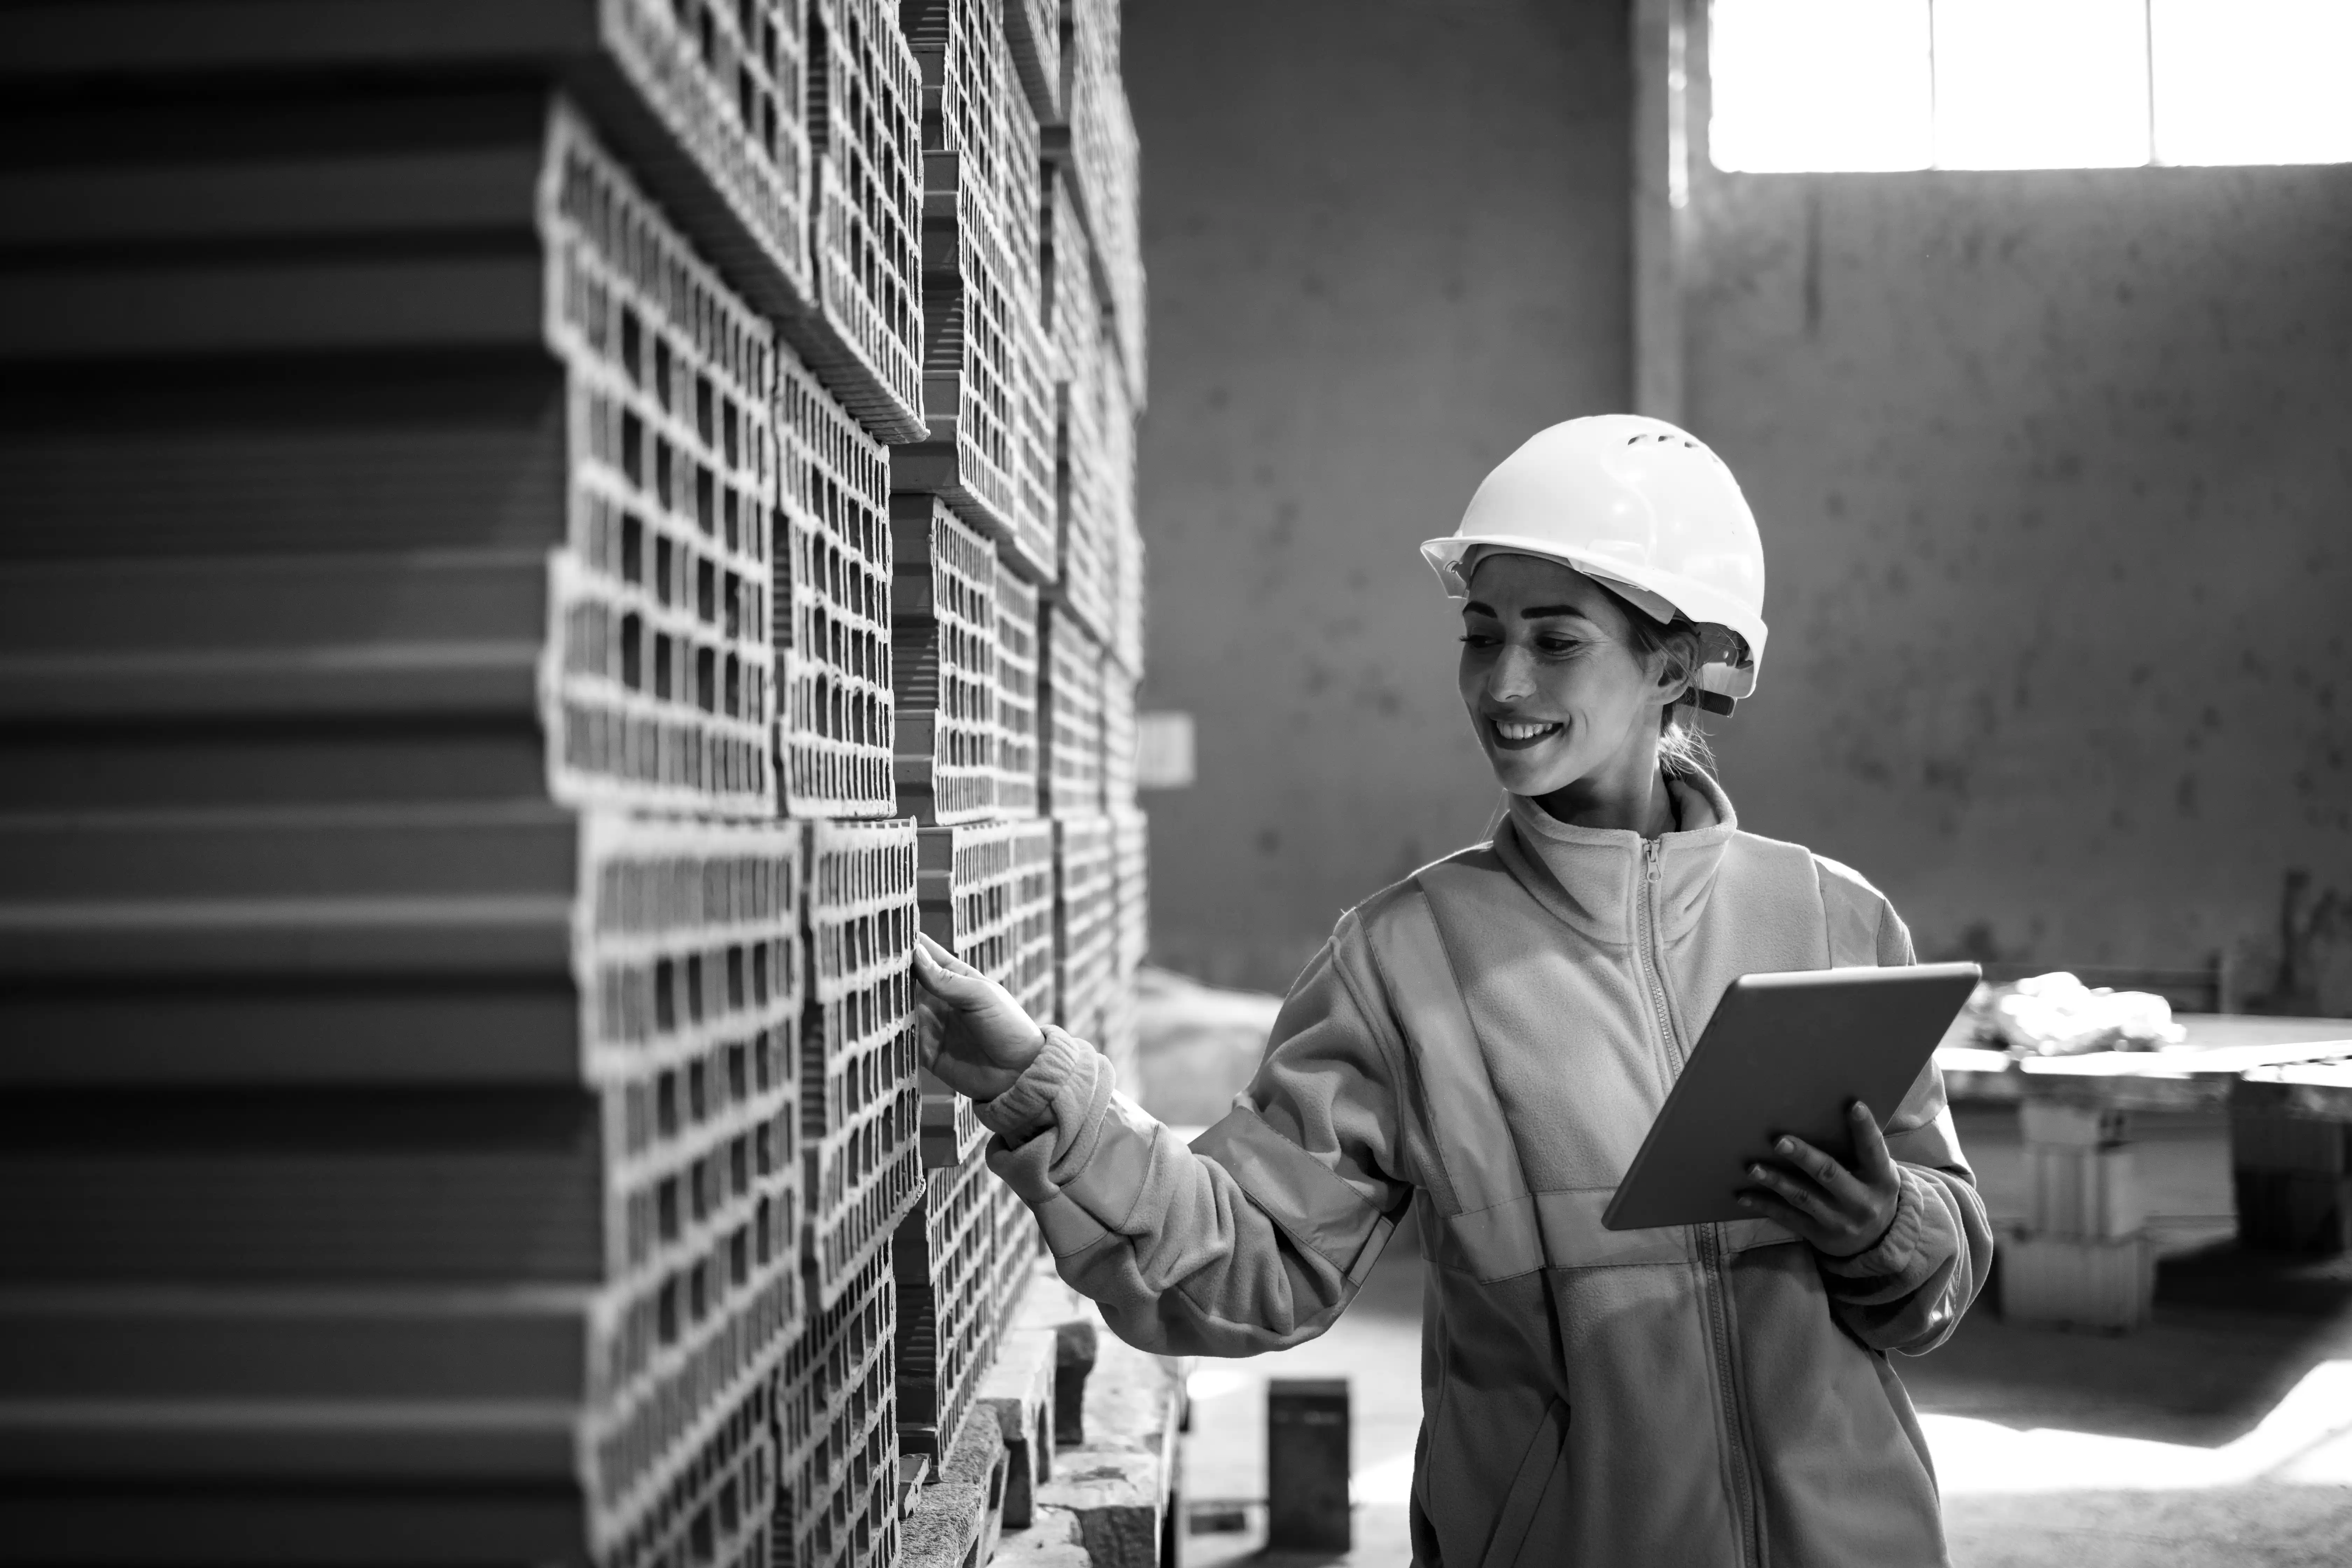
(2053, 478)
(1386, 243)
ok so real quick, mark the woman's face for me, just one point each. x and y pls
(1554, 690)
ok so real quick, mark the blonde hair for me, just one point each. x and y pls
(1681, 744)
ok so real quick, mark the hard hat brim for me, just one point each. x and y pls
(1695, 600)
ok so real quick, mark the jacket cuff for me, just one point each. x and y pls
(1058, 1079)
(1895, 1255)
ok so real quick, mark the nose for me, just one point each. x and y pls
(1512, 677)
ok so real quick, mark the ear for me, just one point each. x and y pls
(1675, 667)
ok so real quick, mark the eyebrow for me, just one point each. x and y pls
(1532, 613)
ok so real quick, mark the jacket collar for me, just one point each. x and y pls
(1595, 878)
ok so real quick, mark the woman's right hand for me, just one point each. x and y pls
(975, 1037)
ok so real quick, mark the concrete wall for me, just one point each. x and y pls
(2054, 471)
(1387, 241)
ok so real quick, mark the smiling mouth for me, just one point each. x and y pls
(1518, 736)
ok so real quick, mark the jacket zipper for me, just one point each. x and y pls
(1713, 1286)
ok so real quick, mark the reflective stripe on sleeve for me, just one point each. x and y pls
(1299, 1191)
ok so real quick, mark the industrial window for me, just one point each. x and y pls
(1852, 85)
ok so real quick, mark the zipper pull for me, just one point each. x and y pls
(1651, 853)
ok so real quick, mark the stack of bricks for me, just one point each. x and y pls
(549, 547)
(2083, 1256)
(407, 967)
(1006, 612)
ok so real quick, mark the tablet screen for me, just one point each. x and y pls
(1784, 1054)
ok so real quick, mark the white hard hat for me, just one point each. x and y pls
(1646, 509)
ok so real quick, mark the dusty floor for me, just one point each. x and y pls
(2221, 1435)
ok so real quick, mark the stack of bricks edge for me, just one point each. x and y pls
(514, 622)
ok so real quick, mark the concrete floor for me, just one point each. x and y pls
(2219, 1435)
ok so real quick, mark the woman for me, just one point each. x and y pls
(1490, 1040)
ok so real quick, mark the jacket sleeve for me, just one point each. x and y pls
(1908, 1293)
(1256, 1236)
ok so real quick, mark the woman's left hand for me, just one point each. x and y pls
(1841, 1211)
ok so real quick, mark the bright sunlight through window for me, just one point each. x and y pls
(1856, 85)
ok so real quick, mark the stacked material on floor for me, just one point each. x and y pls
(1130, 939)
(2291, 1156)
(944, 663)
(987, 895)
(475, 1231)
(1086, 922)
(988, 451)
(836, 1414)
(860, 1111)
(1094, 141)
(865, 108)
(1020, 755)
(541, 559)
(834, 625)
(394, 539)
(2083, 1257)
(1082, 362)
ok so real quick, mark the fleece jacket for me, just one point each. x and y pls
(1489, 1041)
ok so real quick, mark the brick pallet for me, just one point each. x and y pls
(1118, 737)
(1079, 358)
(570, 1212)
(1085, 925)
(1019, 696)
(987, 895)
(1131, 904)
(1096, 144)
(1071, 705)
(1032, 33)
(987, 449)
(712, 116)
(945, 1258)
(1130, 872)
(975, 376)
(1034, 979)
(441, 556)
(864, 119)
(860, 1105)
(487, 498)
(835, 725)
(943, 660)
(987, 890)
(836, 1431)
(1122, 537)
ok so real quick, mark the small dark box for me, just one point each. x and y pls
(1307, 1454)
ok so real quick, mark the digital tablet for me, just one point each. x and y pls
(1784, 1054)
